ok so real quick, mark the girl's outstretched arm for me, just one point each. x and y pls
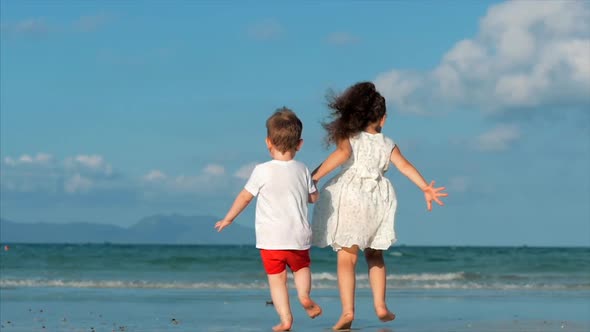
(406, 168)
(244, 198)
(335, 159)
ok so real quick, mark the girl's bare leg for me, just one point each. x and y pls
(377, 279)
(347, 258)
(280, 298)
(302, 278)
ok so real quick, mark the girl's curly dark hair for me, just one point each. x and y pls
(353, 110)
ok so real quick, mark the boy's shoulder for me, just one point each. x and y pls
(292, 164)
(300, 165)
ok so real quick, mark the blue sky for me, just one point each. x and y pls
(115, 111)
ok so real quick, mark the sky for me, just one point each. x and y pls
(114, 111)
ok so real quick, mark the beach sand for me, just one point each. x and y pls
(62, 309)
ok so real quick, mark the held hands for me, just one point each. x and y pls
(220, 225)
(433, 194)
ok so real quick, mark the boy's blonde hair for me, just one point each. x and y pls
(284, 130)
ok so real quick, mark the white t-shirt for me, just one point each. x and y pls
(282, 188)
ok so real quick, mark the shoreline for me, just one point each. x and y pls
(151, 310)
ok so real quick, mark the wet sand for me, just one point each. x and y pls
(95, 310)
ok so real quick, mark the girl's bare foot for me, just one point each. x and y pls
(282, 327)
(313, 309)
(384, 314)
(344, 323)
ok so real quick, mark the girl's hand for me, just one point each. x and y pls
(220, 225)
(433, 194)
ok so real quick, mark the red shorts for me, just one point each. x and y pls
(275, 261)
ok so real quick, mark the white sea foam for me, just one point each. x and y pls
(324, 276)
(400, 277)
(320, 281)
(427, 276)
(127, 284)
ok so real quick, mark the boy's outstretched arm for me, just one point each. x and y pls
(244, 198)
(335, 159)
(407, 169)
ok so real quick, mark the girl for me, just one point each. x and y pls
(357, 207)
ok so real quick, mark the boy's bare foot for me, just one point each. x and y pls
(384, 314)
(344, 323)
(282, 327)
(313, 309)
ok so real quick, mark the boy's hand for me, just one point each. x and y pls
(433, 194)
(220, 225)
(243, 199)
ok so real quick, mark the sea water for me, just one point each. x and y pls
(107, 287)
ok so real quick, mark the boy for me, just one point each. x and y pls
(283, 235)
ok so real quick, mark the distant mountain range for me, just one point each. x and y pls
(157, 229)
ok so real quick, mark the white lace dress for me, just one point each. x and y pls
(357, 206)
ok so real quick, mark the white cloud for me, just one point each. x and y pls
(342, 39)
(400, 88)
(26, 27)
(93, 163)
(91, 174)
(213, 169)
(527, 54)
(265, 30)
(458, 184)
(38, 26)
(193, 183)
(155, 175)
(90, 23)
(43, 158)
(210, 178)
(244, 172)
(187, 182)
(498, 138)
(77, 183)
(25, 159)
(40, 173)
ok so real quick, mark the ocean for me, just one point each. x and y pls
(109, 287)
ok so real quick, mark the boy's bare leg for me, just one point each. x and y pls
(377, 279)
(280, 298)
(302, 278)
(347, 258)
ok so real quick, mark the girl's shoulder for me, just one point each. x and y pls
(384, 141)
(388, 140)
(379, 137)
(362, 139)
(389, 143)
